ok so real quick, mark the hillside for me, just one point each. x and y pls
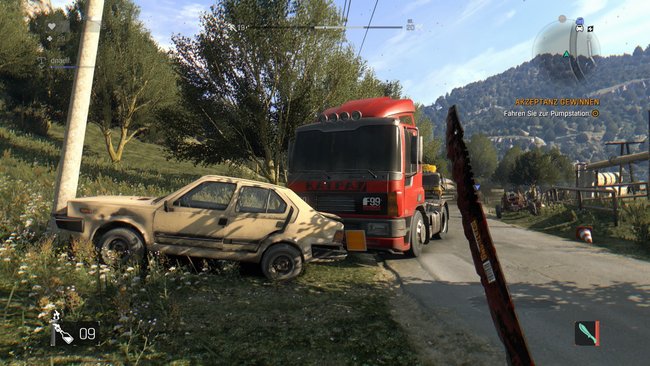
(621, 83)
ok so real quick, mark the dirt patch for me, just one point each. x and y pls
(438, 338)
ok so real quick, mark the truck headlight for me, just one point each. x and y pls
(377, 228)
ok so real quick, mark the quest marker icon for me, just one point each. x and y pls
(587, 333)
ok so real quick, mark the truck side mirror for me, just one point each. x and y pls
(420, 149)
(414, 150)
(169, 207)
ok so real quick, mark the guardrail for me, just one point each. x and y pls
(553, 195)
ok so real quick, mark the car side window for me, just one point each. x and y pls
(260, 200)
(208, 195)
(276, 204)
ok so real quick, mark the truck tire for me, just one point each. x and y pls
(444, 224)
(122, 247)
(418, 234)
(281, 262)
(499, 212)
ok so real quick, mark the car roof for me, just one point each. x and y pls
(297, 201)
(242, 180)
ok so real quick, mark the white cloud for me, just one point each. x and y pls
(623, 27)
(399, 49)
(505, 17)
(191, 12)
(480, 67)
(588, 7)
(164, 18)
(414, 5)
(472, 8)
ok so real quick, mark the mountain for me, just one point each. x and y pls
(619, 84)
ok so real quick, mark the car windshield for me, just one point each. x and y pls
(368, 147)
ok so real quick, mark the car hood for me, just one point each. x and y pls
(116, 200)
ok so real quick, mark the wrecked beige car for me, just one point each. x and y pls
(214, 217)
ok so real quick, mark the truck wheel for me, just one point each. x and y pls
(444, 224)
(281, 262)
(499, 213)
(122, 246)
(418, 235)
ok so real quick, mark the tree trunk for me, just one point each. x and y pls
(269, 171)
(109, 144)
(120, 146)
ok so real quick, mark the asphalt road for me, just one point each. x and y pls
(554, 283)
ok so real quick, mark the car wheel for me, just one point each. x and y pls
(418, 235)
(444, 226)
(499, 212)
(120, 247)
(281, 262)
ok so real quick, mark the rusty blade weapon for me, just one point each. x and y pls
(483, 251)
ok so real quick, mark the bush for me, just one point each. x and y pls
(638, 215)
(35, 119)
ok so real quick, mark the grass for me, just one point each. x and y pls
(562, 221)
(179, 312)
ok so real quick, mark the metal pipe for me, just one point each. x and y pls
(619, 160)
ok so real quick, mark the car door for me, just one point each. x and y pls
(197, 218)
(257, 213)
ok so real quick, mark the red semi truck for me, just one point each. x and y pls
(363, 162)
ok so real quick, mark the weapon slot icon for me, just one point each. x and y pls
(65, 335)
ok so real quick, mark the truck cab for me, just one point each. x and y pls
(363, 162)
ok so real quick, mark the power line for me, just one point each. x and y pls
(370, 21)
(348, 12)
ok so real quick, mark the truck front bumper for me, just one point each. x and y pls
(381, 234)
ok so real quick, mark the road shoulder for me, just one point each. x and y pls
(440, 337)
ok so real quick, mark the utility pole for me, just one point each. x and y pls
(68, 170)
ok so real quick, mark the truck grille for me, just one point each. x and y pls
(335, 203)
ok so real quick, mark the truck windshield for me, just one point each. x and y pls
(368, 147)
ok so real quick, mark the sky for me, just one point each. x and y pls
(454, 42)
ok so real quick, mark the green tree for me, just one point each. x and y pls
(507, 165)
(133, 78)
(52, 86)
(483, 156)
(432, 153)
(18, 53)
(246, 89)
(17, 45)
(536, 167)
